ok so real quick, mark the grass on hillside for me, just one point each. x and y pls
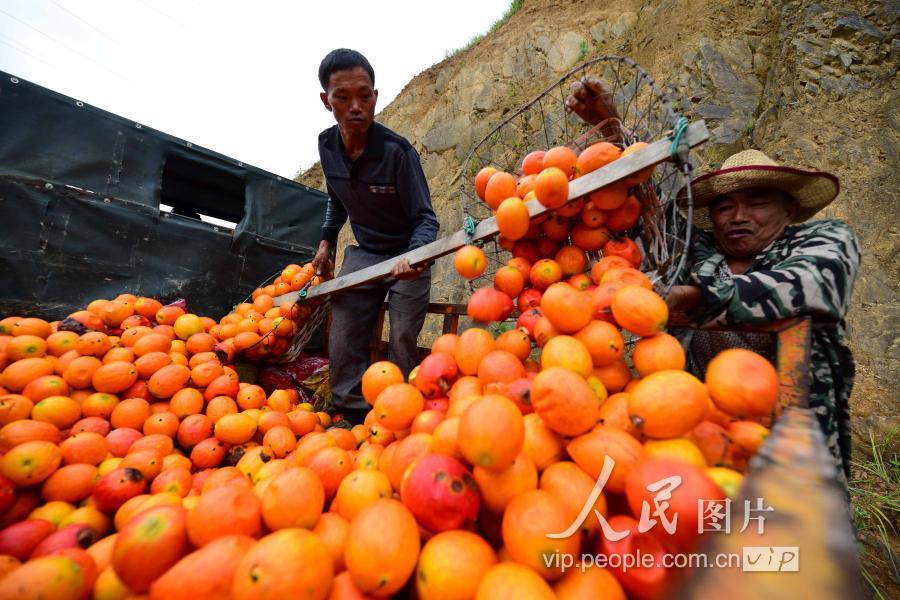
(875, 493)
(514, 7)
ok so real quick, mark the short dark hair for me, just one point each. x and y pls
(342, 59)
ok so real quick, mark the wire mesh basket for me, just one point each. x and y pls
(644, 114)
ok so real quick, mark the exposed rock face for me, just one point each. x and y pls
(810, 84)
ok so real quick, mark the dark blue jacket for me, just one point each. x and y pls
(383, 192)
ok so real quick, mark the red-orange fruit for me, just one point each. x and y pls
(742, 383)
(569, 309)
(563, 158)
(640, 311)
(270, 570)
(513, 219)
(151, 543)
(590, 450)
(499, 187)
(552, 187)
(205, 574)
(382, 548)
(656, 353)
(470, 262)
(564, 401)
(491, 432)
(527, 521)
(668, 404)
(481, 180)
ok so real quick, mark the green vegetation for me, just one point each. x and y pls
(514, 7)
(583, 50)
(875, 493)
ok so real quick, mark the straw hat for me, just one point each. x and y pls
(813, 190)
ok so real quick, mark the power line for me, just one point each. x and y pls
(24, 50)
(156, 10)
(89, 24)
(66, 46)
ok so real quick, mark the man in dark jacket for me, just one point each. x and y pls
(374, 178)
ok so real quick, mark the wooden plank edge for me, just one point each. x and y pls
(652, 155)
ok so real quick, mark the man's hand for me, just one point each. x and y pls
(402, 270)
(323, 256)
(591, 101)
(683, 298)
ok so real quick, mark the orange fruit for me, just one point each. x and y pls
(294, 498)
(397, 405)
(614, 376)
(382, 547)
(590, 450)
(742, 383)
(551, 187)
(565, 401)
(567, 352)
(474, 344)
(589, 582)
(533, 162)
(573, 487)
(572, 260)
(379, 376)
(569, 309)
(595, 156)
(544, 273)
(452, 565)
(26, 346)
(614, 413)
(511, 580)
(513, 219)
(498, 488)
(656, 353)
(542, 445)
(332, 529)
(642, 175)
(359, 489)
(470, 262)
(561, 157)
(481, 180)
(61, 411)
(269, 569)
(500, 186)
(603, 342)
(640, 311)
(668, 404)
(527, 521)
(680, 449)
(590, 239)
(491, 432)
(516, 342)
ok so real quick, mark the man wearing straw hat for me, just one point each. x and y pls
(755, 257)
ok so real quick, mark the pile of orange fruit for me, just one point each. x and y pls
(136, 464)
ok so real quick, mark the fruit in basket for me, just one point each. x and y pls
(551, 187)
(500, 186)
(470, 262)
(512, 218)
(488, 304)
(595, 156)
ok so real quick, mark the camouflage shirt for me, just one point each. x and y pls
(809, 270)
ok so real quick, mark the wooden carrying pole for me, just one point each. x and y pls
(653, 154)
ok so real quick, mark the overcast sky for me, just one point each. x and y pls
(236, 77)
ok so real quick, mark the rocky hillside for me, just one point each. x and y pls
(811, 84)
